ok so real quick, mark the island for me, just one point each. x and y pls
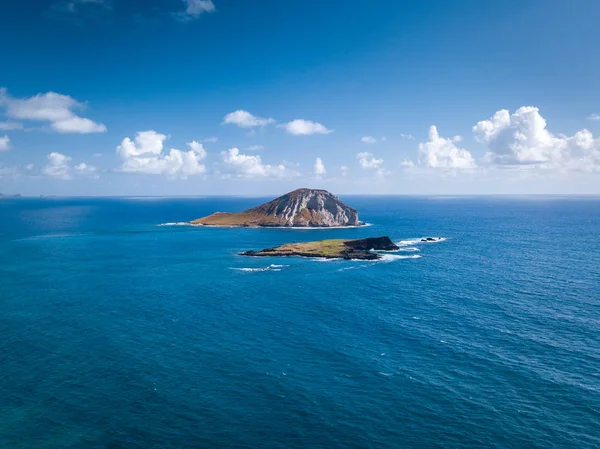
(361, 249)
(301, 208)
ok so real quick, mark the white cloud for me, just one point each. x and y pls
(58, 166)
(255, 148)
(97, 155)
(8, 172)
(382, 172)
(301, 127)
(407, 136)
(440, 152)
(244, 119)
(50, 107)
(29, 166)
(368, 139)
(407, 163)
(4, 143)
(250, 166)
(85, 169)
(593, 117)
(521, 139)
(211, 139)
(9, 126)
(145, 154)
(368, 161)
(78, 125)
(319, 167)
(194, 9)
(344, 169)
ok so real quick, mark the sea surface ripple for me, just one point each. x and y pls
(116, 332)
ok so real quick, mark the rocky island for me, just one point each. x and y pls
(331, 249)
(300, 208)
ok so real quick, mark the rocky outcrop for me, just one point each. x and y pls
(300, 208)
(372, 243)
(331, 249)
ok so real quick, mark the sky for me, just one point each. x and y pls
(259, 97)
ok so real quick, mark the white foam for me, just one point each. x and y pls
(419, 241)
(351, 268)
(409, 249)
(259, 270)
(319, 228)
(251, 270)
(177, 223)
(277, 266)
(292, 228)
(394, 257)
(323, 259)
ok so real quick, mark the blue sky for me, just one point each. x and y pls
(194, 97)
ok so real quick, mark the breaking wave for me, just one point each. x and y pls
(177, 223)
(271, 267)
(394, 257)
(418, 241)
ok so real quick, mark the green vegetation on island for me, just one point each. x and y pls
(331, 249)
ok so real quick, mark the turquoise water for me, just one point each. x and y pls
(116, 332)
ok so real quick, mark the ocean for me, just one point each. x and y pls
(121, 329)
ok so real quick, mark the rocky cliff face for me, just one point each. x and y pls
(302, 208)
(309, 207)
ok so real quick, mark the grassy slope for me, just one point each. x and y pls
(241, 219)
(323, 248)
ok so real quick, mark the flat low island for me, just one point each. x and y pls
(361, 249)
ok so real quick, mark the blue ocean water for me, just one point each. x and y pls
(116, 332)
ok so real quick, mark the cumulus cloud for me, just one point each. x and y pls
(440, 152)
(521, 139)
(319, 167)
(407, 136)
(85, 169)
(593, 117)
(4, 143)
(145, 154)
(194, 9)
(10, 126)
(245, 166)
(407, 163)
(58, 166)
(368, 161)
(244, 119)
(344, 169)
(301, 127)
(56, 109)
(368, 139)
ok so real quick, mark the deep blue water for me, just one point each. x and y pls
(119, 333)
